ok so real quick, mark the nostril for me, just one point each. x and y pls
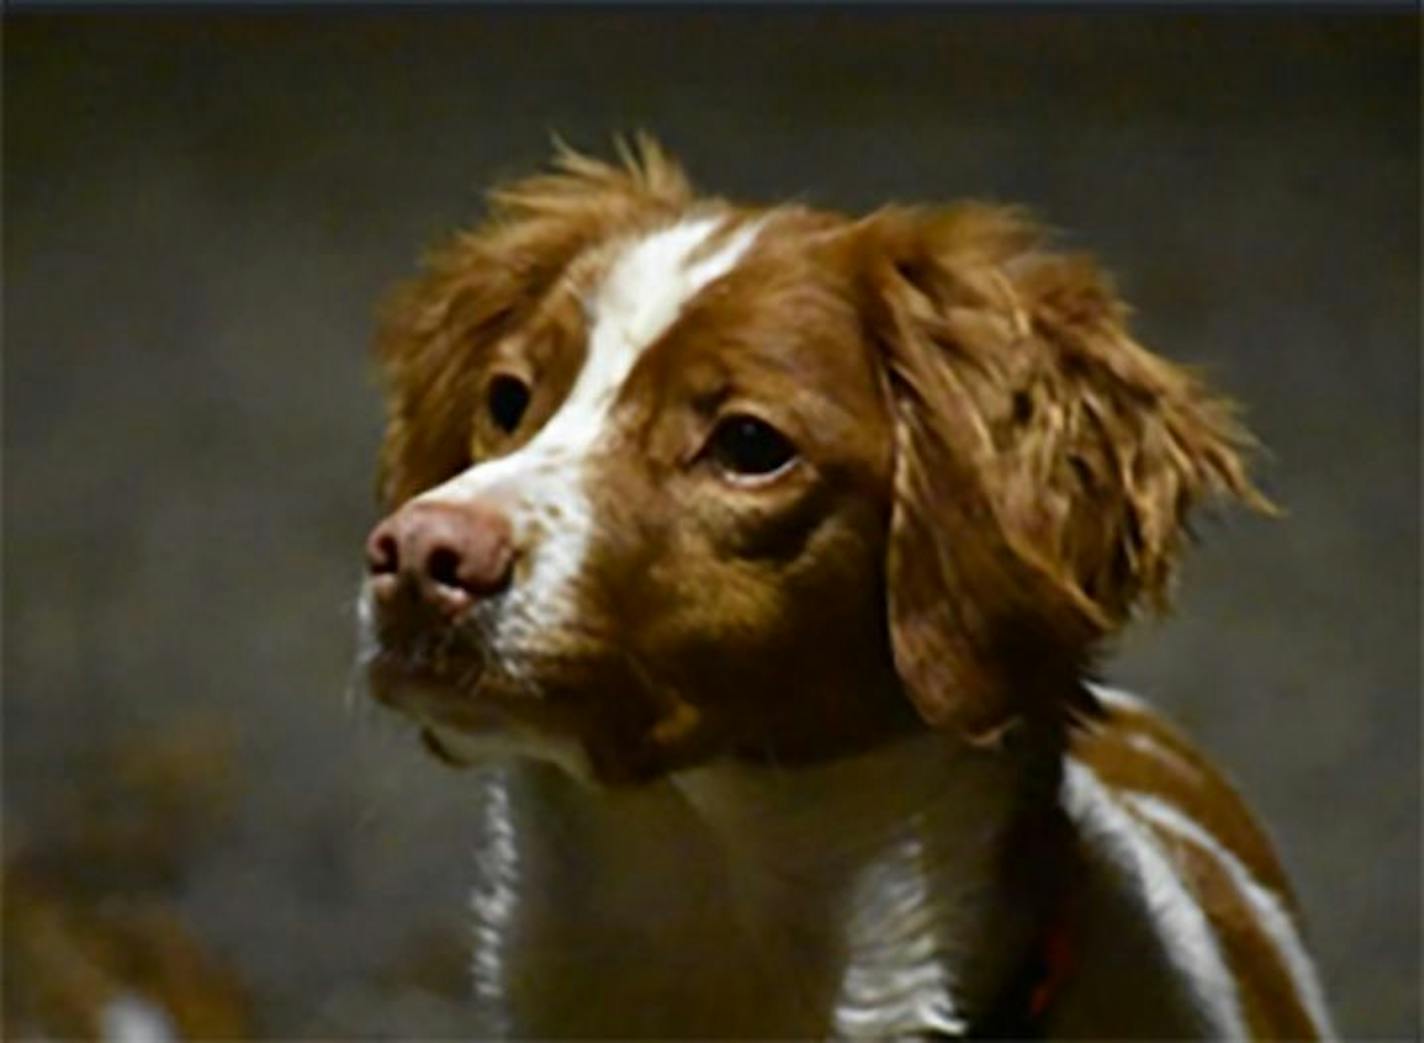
(382, 554)
(450, 553)
(495, 573)
(443, 566)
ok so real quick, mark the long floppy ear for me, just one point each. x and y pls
(1045, 463)
(485, 282)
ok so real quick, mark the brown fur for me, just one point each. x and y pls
(992, 477)
(1044, 463)
(1184, 778)
(483, 284)
(1269, 999)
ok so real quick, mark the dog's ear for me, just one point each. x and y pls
(1045, 463)
(486, 282)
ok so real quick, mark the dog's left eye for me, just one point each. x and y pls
(507, 399)
(747, 447)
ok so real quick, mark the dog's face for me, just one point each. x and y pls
(671, 479)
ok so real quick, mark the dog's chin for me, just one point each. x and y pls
(578, 718)
(447, 747)
(464, 716)
(448, 693)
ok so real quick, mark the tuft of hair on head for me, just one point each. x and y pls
(643, 174)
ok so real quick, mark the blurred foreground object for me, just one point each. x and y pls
(94, 943)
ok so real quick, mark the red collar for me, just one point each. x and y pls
(1031, 994)
(1055, 964)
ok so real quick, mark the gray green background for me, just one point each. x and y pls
(202, 208)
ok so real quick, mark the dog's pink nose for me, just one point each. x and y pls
(452, 553)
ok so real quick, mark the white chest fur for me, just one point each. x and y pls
(885, 867)
(863, 899)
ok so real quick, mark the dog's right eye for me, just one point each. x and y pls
(747, 448)
(507, 399)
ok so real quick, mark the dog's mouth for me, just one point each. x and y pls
(444, 689)
(586, 705)
(462, 719)
(451, 676)
(467, 714)
(438, 744)
(430, 674)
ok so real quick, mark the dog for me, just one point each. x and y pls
(760, 558)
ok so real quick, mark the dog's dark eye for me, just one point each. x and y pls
(508, 398)
(746, 447)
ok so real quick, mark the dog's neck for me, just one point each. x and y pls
(876, 885)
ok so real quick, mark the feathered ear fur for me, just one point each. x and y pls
(486, 282)
(1045, 463)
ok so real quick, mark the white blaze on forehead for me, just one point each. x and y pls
(648, 285)
(541, 485)
(639, 299)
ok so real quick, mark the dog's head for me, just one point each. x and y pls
(671, 478)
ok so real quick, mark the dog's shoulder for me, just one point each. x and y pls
(1160, 777)
(1172, 844)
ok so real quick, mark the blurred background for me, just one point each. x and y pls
(201, 210)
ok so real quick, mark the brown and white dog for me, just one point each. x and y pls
(777, 546)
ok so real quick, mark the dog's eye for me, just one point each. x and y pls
(746, 447)
(507, 399)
